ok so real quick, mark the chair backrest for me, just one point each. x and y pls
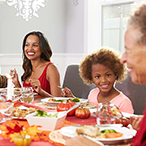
(135, 92)
(74, 82)
(3, 81)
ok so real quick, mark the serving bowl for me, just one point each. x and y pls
(47, 123)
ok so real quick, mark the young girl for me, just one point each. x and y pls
(103, 68)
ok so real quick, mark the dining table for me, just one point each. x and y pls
(70, 120)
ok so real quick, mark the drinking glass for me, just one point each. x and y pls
(6, 109)
(27, 95)
(104, 114)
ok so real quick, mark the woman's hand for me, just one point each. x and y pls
(80, 141)
(134, 121)
(66, 92)
(15, 79)
(35, 83)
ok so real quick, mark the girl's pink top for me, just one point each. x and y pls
(45, 85)
(121, 101)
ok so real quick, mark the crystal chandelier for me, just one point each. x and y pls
(27, 8)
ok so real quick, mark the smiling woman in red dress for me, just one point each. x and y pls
(39, 71)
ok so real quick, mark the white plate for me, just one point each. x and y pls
(70, 131)
(127, 115)
(62, 98)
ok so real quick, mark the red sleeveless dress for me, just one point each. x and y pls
(45, 85)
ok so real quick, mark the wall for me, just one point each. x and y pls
(62, 22)
(51, 21)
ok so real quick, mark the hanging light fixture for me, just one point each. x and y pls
(27, 8)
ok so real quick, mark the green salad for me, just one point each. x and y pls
(40, 113)
(76, 99)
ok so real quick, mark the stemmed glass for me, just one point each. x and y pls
(27, 95)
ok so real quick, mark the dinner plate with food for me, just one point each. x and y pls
(21, 112)
(106, 135)
(64, 99)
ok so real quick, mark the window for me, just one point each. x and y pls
(114, 22)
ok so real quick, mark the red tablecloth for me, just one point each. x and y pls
(90, 121)
(71, 119)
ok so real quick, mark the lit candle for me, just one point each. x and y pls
(9, 88)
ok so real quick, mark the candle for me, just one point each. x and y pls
(9, 88)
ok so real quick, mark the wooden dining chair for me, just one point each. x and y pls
(74, 82)
(3, 81)
(135, 92)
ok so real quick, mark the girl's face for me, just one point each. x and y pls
(32, 47)
(103, 77)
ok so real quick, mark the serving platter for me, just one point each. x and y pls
(62, 99)
(128, 134)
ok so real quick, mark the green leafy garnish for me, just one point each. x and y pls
(76, 99)
(59, 100)
(108, 131)
(44, 114)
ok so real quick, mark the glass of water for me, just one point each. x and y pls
(104, 114)
(27, 95)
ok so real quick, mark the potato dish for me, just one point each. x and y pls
(21, 113)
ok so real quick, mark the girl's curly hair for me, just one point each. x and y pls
(105, 56)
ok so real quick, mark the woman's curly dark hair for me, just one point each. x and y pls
(138, 20)
(106, 57)
(45, 49)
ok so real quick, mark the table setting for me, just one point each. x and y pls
(54, 124)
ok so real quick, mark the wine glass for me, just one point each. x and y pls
(104, 114)
(27, 95)
(6, 109)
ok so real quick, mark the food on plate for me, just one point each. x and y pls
(110, 133)
(76, 99)
(52, 99)
(46, 105)
(40, 113)
(17, 91)
(95, 132)
(62, 100)
(89, 130)
(65, 106)
(57, 137)
(82, 113)
(87, 105)
(21, 113)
